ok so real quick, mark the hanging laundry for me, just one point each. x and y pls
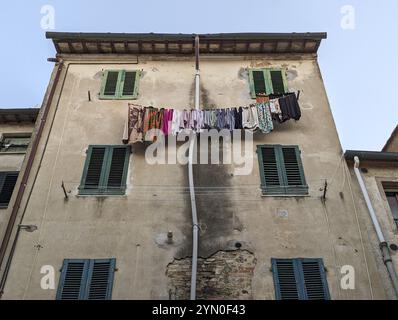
(275, 109)
(264, 117)
(250, 118)
(289, 107)
(167, 121)
(176, 120)
(171, 121)
(135, 123)
(238, 117)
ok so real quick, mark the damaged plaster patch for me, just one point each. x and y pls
(223, 275)
(291, 74)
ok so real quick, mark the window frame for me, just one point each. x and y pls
(394, 195)
(3, 176)
(119, 85)
(105, 170)
(16, 135)
(283, 189)
(299, 276)
(267, 78)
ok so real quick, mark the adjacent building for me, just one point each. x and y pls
(16, 128)
(379, 172)
(112, 226)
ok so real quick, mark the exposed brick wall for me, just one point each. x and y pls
(224, 275)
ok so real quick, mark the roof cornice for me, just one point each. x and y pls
(161, 43)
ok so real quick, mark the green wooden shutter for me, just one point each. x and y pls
(258, 82)
(270, 170)
(117, 167)
(105, 170)
(293, 172)
(314, 279)
(111, 80)
(120, 84)
(129, 84)
(286, 279)
(281, 170)
(278, 81)
(100, 279)
(94, 168)
(7, 185)
(72, 284)
(300, 279)
(268, 81)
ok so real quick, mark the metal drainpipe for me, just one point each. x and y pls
(195, 227)
(382, 242)
(25, 177)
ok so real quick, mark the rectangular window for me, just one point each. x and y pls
(85, 279)
(120, 84)
(281, 170)
(7, 185)
(392, 198)
(17, 142)
(300, 279)
(267, 81)
(105, 170)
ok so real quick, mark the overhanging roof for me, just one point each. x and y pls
(19, 115)
(161, 43)
(372, 156)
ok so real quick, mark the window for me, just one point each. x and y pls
(268, 81)
(392, 198)
(17, 142)
(120, 84)
(105, 170)
(300, 279)
(7, 184)
(84, 279)
(281, 170)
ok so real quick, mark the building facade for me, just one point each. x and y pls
(287, 229)
(16, 128)
(379, 172)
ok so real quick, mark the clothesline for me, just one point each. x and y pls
(259, 116)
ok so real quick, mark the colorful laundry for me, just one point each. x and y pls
(255, 117)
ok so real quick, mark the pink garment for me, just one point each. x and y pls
(167, 120)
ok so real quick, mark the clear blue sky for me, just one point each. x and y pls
(359, 65)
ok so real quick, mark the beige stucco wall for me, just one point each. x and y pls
(129, 227)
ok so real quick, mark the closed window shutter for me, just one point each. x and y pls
(285, 279)
(94, 168)
(281, 170)
(292, 167)
(73, 280)
(278, 86)
(314, 278)
(111, 83)
(7, 185)
(129, 83)
(100, 280)
(300, 279)
(271, 179)
(259, 82)
(117, 168)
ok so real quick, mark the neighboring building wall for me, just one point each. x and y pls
(392, 143)
(130, 228)
(12, 161)
(374, 175)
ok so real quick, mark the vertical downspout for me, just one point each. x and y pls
(382, 242)
(195, 227)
